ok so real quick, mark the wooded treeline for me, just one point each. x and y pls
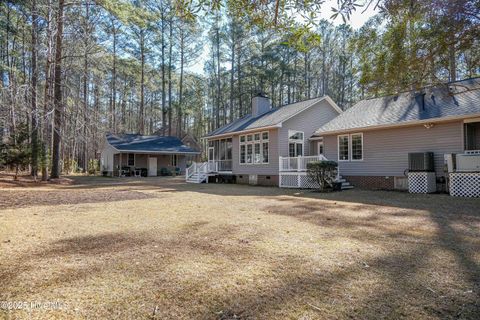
(71, 71)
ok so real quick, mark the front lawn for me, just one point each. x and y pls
(162, 249)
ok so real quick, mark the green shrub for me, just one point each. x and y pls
(15, 151)
(93, 166)
(69, 166)
(323, 173)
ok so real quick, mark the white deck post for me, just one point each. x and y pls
(120, 166)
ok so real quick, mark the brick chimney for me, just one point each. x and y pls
(260, 104)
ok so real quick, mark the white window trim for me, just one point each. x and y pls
(351, 145)
(253, 142)
(208, 155)
(320, 142)
(302, 142)
(338, 147)
(240, 153)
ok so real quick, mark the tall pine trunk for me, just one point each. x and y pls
(170, 48)
(46, 103)
(35, 146)
(57, 94)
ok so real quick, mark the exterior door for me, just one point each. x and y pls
(152, 167)
(320, 148)
(211, 154)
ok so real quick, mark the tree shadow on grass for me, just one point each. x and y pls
(452, 233)
(23, 199)
(80, 258)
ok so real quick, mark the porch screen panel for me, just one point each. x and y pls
(472, 136)
(222, 150)
(229, 149)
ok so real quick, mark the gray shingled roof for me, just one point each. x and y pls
(136, 142)
(271, 118)
(454, 99)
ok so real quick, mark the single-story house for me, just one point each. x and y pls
(134, 154)
(256, 147)
(371, 140)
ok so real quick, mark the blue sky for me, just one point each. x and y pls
(356, 21)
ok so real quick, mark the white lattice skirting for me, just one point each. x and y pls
(465, 184)
(422, 182)
(297, 180)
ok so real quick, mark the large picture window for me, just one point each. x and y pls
(254, 148)
(295, 143)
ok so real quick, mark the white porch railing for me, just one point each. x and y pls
(190, 171)
(197, 172)
(297, 163)
(220, 165)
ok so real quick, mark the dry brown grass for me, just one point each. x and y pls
(159, 248)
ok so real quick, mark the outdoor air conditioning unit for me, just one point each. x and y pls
(468, 162)
(421, 161)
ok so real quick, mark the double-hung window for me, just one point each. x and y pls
(249, 153)
(254, 148)
(343, 149)
(295, 143)
(357, 146)
(350, 147)
(131, 160)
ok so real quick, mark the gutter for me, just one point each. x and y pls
(154, 152)
(318, 135)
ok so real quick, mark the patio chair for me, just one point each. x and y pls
(125, 172)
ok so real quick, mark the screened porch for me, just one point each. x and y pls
(220, 155)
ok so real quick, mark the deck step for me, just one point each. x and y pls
(197, 178)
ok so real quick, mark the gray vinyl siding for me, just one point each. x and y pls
(308, 121)
(262, 169)
(107, 158)
(385, 151)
